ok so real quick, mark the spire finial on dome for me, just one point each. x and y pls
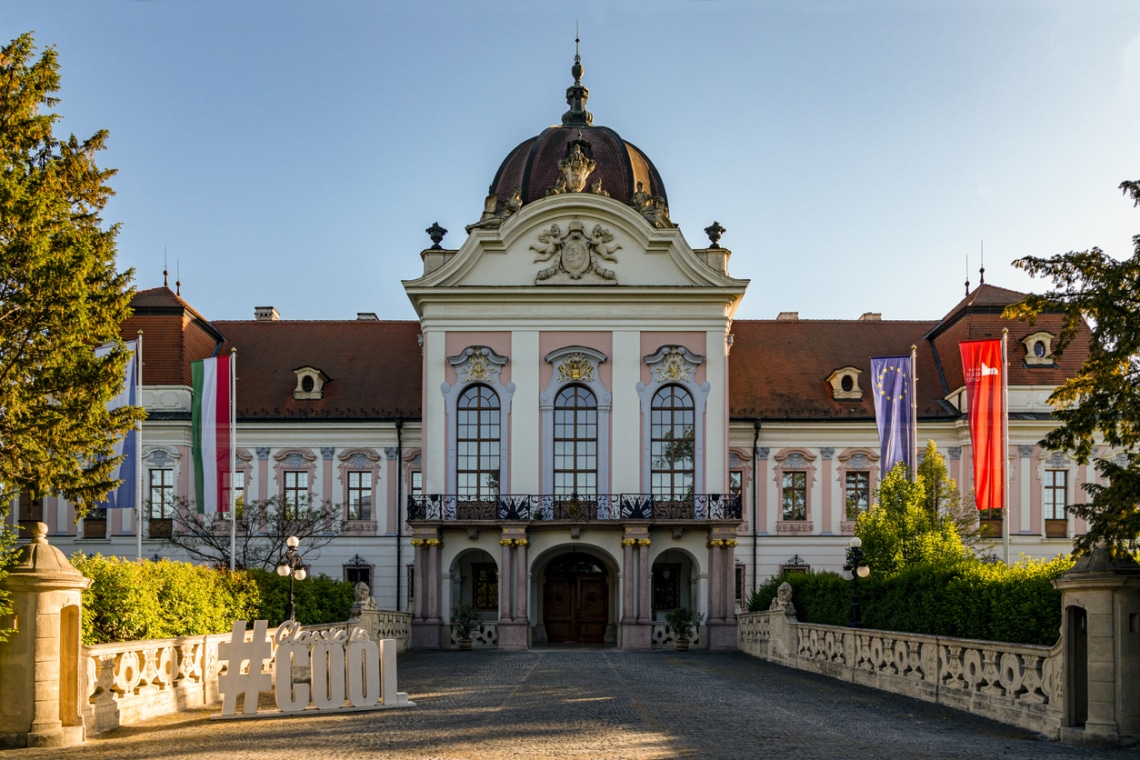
(577, 94)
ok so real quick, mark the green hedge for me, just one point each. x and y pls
(318, 599)
(973, 600)
(132, 600)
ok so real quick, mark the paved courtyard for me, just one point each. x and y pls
(594, 704)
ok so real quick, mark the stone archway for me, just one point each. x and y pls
(576, 605)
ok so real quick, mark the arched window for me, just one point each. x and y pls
(477, 438)
(672, 454)
(575, 442)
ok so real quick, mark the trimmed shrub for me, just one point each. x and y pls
(133, 600)
(318, 599)
(967, 599)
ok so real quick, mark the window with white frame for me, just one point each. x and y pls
(794, 496)
(359, 496)
(161, 493)
(575, 442)
(239, 492)
(857, 492)
(478, 440)
(296, 489)
(1056, 494)
(672, 446)
(736, 483)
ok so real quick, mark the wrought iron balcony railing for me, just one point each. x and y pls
(593, 508)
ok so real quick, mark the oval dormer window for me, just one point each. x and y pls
(1039, 349)
(307, 384)
(847, 383)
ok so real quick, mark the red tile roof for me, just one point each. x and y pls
(374, 368)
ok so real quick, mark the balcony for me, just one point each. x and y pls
(576, 509)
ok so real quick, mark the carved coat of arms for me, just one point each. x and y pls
(575, 253)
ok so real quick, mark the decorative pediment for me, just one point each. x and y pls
(575, 254)
(477, 364)
(295, 459)
(859, 459)
(159, 457)
(359, 459)
(575, 364)
(673, 364)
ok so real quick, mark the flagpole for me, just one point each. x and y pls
(1005, 439)
(233, 456)
(138, 451)
(913, 414)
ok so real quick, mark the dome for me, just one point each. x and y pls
(576, 156)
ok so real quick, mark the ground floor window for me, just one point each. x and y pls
(485, 586)
(666, 593)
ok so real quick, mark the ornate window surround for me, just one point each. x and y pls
(857, 459)
(794, 460)
(359, 460)
(317, 383)
(575, 365)
(1031, 358)
(162, 458)
(673, 365)
(295, 459)
(478, 365)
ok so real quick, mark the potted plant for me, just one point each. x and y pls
(465, 620)
(684, 623)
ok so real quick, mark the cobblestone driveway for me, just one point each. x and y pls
(594, 704)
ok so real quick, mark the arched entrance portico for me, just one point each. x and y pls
(576, 599)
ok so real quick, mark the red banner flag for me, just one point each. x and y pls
(985, 397)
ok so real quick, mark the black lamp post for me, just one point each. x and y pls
(855, 569)
(293, 566)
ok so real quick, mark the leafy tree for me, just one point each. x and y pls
(942, 500)
(1101, 403)
(898, 532)
(261, 531)
(60, 296)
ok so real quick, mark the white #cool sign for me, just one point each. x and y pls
(333, 670)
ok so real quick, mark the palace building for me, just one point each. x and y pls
(576, 436)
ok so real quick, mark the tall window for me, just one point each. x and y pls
(417, 484)
(858, 492)
(161, 493)
(359, 495)
(1056, 492)
(239, 491)
(795, 495)
(671, 429)
(736, 483)
(575, 442)
(296, 490)
(478, 435)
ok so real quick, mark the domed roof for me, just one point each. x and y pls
(576, 156)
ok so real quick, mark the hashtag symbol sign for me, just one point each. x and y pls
(244, 672)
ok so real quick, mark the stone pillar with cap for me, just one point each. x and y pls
(1100, 631)
(41, 684)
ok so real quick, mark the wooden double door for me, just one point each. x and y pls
(576, 607)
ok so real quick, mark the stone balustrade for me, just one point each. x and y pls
(1017, 684)
(131, 681)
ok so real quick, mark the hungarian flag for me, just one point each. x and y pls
(213, 431)
(123, 497)
(893, 377)
(985, 398)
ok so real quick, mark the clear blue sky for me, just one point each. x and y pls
(292, 153)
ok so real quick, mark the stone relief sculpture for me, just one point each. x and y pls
(652, 207)
(575, 253)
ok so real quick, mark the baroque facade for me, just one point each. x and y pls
(576, 436)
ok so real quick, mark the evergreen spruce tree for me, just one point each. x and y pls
(60, 296)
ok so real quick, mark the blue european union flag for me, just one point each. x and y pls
(893, 386)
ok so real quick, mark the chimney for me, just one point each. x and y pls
(871, 316)
(788, 316)
(367, 316)
(266, 314)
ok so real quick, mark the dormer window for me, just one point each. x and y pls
(1039, 349)
(310, 383)
(845, 384)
